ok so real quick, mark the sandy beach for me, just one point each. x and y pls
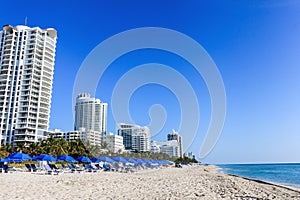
(169, 183)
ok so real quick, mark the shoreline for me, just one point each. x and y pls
(294, 189)
(189, 182)
(290, 187)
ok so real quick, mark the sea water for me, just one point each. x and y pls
(285, 174)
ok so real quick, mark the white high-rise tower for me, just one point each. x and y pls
(90, 113)
(26, 76)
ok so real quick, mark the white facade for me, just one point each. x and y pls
(114, 142)
(26, 77)
(90, 113)
(168, 147)
(175, 136)
(135, 138)
(93, 137)
(154, 148)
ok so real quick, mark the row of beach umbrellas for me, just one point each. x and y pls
(21, 157)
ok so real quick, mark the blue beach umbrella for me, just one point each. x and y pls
(84, 159)
(139, 161)
(119, 159)
(95, 160)
(4, 160)
(19, 157)
(66, 158)
(44, 157)
(131, 160)
(105, 159)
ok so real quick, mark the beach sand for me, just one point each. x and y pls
(170, 183)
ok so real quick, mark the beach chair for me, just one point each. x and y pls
(28, 167)
(8, 169)
(34, 168)
(106, 168)
(89, 168)
(74, 169)
(1, 168)
(52, 171)
(54, 167)
(98, 167)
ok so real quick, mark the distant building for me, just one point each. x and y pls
(154, 147)
(90, 136)
(135, 138)
(175, 136)
(27, 58)
(168, 147)
(90, 113)
(114, 142)
(190, 155)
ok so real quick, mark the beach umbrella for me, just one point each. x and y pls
(44, 157)
(119, 159)
(139, 161)
(105, 159)
(66, 158)
(131, 160)
(19, 157)
(167, 162)
(4, 160)
(84, 159)
(95, 160)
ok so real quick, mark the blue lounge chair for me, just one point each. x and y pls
(52, 171)
(1, 168)
(74, 169)
(90, 168)
(33, 167)
(7, 169)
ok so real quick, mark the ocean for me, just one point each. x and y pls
(284, 174)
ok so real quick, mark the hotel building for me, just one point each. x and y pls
(26, 77)
(90, 113)
(175, 136)
(135, 138)
(114, 142)
(168, 147)
(90, 136)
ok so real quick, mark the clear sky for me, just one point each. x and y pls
(255, 44)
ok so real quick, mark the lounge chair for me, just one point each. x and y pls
(33, 167)
(52, 171)
(28, 167)
(74, 169)
(54, 167)
(8, 169)
(90, 168)
(1, 168)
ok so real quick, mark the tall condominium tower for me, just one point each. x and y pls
(26, 75)
(175, 136)
(90, 113)
(135, 138)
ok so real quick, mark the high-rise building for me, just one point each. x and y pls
(175, 136)
(135, 138)
(90, 113)
(26, 77)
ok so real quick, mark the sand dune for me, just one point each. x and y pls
(171, 183)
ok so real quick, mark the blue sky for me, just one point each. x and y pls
(255, 45)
